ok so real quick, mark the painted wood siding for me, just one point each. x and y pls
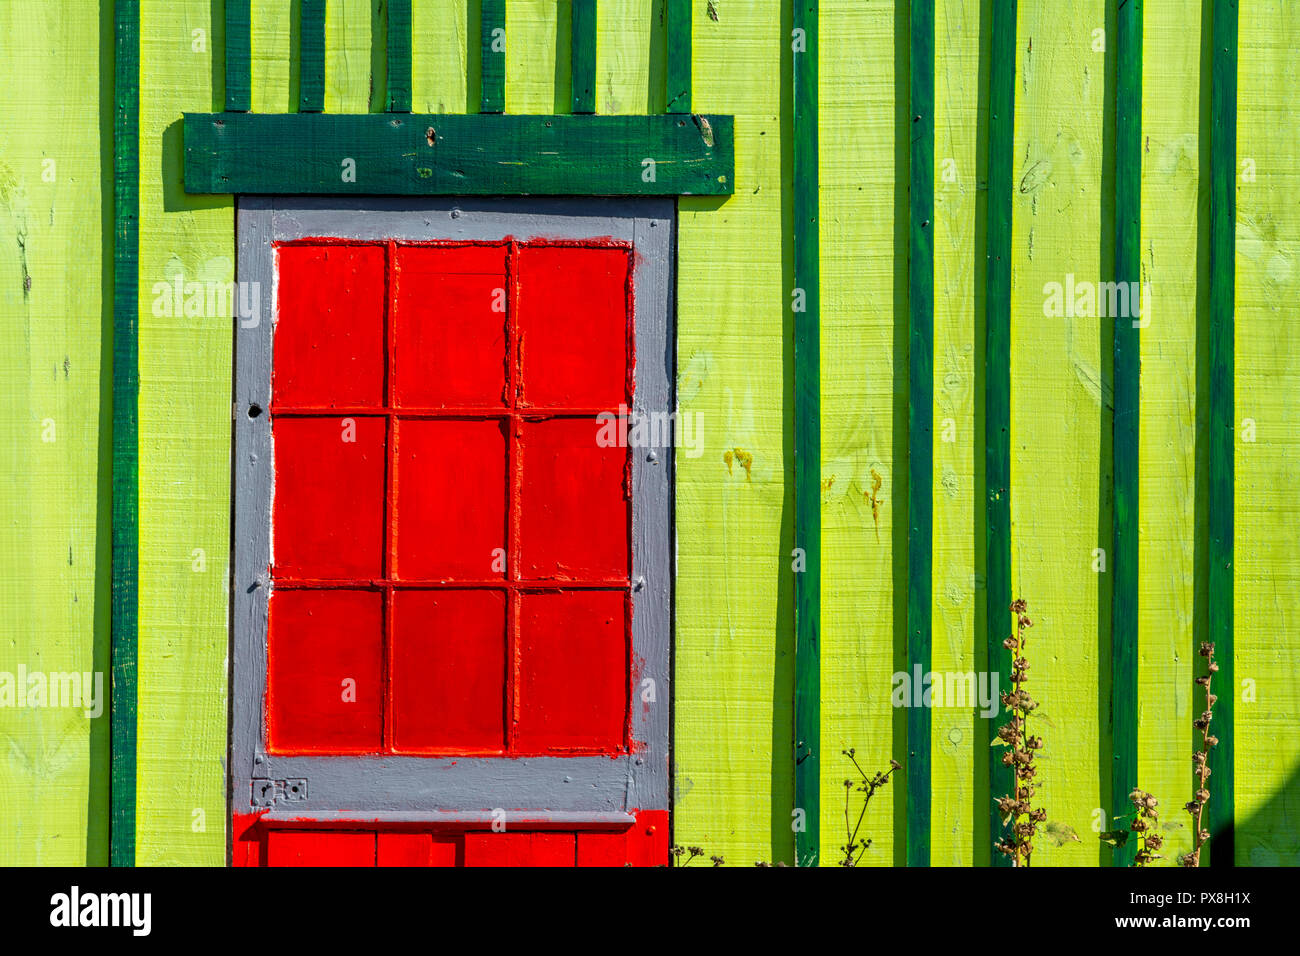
(734, 681)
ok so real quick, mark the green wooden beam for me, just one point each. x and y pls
(920, 416)
(238, 56)
(311, 57)
(398, 50)
(1125, 418)
(582, 39)
(126, 387)
(677, 75)
(997, 382)
(807, 440)
(1223, 215)
(460, 154)
(492, 61)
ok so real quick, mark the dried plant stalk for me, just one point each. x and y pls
(1016, 808)
(1200, 761)
(855, 846)
(1145, 827)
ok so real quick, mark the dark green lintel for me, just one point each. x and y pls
(470, 155)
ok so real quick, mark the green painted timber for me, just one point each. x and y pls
(582, 57)
(492, 57)
(459, 154)
(238, 56)
(677, 75)
(1223, 217)
(398, 51)
(126, 388)
(920, 417)
(997, 381)
(311, 57)
(1125, 446)
(807, 438)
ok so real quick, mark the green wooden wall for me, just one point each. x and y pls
(734, 681)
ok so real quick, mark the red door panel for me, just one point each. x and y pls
(320, 848)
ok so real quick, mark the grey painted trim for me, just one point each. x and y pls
(532, 819)
(588, 787)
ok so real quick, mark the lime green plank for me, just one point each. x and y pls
(441, 78)
(56, 195)
(348, 58)
(1266, 566)
(274, 67)
(184, 465)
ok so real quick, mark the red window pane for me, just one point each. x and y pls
(307, 848)
(573, 326)
(519, 849)
(449, 670)
(450, 326)
(329, 331)
(329, 489)
(323, 685)
(574, 514)
(450, 517)
(573, 682)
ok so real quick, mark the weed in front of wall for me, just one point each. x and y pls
(1017, 808)
(691, 853)
(1200, 762)
(854, 845)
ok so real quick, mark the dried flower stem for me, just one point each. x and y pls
(691, 852)
(1200, 761)
(853, 847)
(1016, 808)
(1146, 827)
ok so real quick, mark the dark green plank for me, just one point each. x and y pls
(492, 44)
(582, 39)
(678, 72)
(126, 387)
(238, 57)
(398, 49)
(997, 387)
(920, 417)
(311, 57)
(1127, 378)
(807, 443)
(1223, 215)
(469, 155)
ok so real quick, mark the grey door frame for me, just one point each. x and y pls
(578, 788)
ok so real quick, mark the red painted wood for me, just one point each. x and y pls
(329, 486)
(450, 326)
(247, 840)
(402, 848)
(449, 671)
(317, 640)
(320, 848)
(573, 684)
(575, 513)
(602, 848)
(520, 849)
(647, 840)
(574, 326)
(449, 517)
(329, 331)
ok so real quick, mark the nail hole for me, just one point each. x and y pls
(254, 410)
(430, 136)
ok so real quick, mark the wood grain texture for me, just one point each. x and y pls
(1060, 409)
(494, 47)
(582, 56)
(1171, 617)
(56, 320)
(960, 170)
(677, 73)
(312, 54)
(360, 154)
(274, 68)
(185, 386)
(863, 409)
(352, 83)
(398, 52)
(1266, 566)
(238, 55)
(806, 304)
(734, 621)
(442, 80)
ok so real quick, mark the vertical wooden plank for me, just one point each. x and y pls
(186, 242)
(807, 437)
(273, 63)
(311, 57)
(582, 40)
(399, 56)
(354, 68)
(1265, 694)
(960, 172)
(126, 386)
(1171, 492)
(442, 80)
(997, 382)
(920, 417)
(238, 56)
(1125, 445)
(1223, 219)
(492, 44)
(677, 74)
